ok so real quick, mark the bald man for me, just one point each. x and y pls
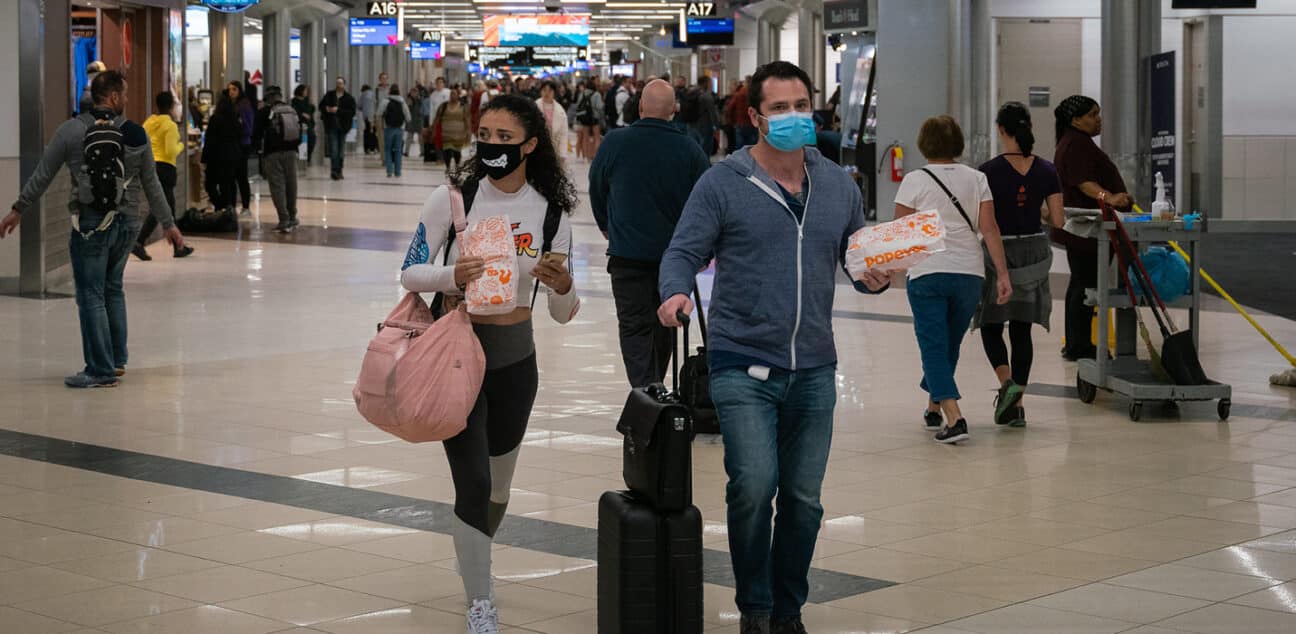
(639, 182)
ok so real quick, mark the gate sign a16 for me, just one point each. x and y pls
(230, 6)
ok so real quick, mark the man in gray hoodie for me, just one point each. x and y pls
(101, 238)
(777, 218)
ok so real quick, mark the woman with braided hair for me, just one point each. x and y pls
(1089, 178)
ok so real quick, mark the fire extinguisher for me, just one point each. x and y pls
(895, 160)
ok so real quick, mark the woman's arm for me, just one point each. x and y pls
(563, 307)
(904, 210)
(1055, 213)
(1099, 193)
(421, 272)
(989, 228)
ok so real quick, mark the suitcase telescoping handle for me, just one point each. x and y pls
(683, 319)
(701, 317)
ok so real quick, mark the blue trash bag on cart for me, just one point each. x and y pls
(1169, 272)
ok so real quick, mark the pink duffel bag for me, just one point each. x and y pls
(421, 376)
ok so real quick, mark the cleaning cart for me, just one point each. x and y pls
(1126, 374)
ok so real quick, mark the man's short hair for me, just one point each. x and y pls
(940, 138)
(775, 70)
(105, 84)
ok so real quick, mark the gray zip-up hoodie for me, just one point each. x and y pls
(775, 278)
(141, 172)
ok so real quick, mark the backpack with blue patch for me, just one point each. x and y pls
(103, 167)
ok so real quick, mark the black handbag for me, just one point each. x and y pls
(695, 380)
(657, 454)
(195, 220)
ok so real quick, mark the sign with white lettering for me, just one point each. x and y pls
(846, 15)
(701, 10)
(230, 6)
(383, 9)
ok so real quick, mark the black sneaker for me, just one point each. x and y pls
(283, 227)
(293, 222)
(788, 626)
(183, 252)
(1018, 417)
(754, 625)
(139, 252)
(958, 432)
(1006, 402)
(933, 421)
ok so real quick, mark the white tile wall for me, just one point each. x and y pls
(1234, 199)
(1259, 177)
(1234, 157)
(1265, 157)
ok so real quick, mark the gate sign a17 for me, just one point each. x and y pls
(230, 6)
(701, 10)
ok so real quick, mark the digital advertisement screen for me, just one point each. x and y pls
(710, 31)
(537, 30)
(425, 50)
(374, 32)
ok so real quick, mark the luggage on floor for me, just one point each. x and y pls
(195, 220)
(658, 428)
(695, 380)
(649, 567)
(370, 140)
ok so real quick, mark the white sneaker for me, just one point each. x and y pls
(483, 618)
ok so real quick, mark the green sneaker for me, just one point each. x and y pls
(1006, 402)
(1018, 417)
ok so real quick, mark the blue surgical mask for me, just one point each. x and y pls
(791, 131)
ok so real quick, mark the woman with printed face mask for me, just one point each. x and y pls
(515, 172)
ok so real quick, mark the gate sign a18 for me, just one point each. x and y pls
(230, 6)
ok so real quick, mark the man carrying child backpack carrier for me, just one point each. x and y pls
(110, 160)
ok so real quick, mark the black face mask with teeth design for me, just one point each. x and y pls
(499, 159)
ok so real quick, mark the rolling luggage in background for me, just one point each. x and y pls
(370, 140)
(658, 429)
(649, 567)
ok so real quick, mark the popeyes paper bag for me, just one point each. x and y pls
(495, 292)
(895, 246)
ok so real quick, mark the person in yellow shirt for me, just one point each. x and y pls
(164, 135)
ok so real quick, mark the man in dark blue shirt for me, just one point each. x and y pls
(639, 182)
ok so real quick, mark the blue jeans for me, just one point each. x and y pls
(336, 139)
(393, 147)
(943, 305)
(98, 263)
(776, 436)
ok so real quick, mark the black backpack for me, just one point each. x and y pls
(585, 111)
(103, 155)
(691, 106)
(394, 115)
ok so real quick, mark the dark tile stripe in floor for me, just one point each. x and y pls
(397, 510)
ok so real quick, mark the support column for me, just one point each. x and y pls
(226, 36)
(810, 49)
(312, 58)
(1131, 31)
(913, 58)
(275, 53)
(980, 127)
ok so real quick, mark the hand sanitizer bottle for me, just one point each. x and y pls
(1161, 209)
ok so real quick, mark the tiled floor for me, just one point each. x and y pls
(243, 358)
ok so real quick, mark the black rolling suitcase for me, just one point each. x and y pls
(649, 568)
(657, 456)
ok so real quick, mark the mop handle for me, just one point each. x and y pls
(1144, 278)
(1219, 289)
